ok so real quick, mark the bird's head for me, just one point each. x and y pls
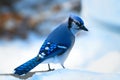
(75, 24)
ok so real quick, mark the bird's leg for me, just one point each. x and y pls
(49, 69)
(63, 66)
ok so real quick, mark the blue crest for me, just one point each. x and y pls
(77, 18)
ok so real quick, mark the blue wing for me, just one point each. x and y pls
(50, 49)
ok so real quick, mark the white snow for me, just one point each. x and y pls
(67, 74)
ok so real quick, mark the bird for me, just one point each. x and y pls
(57, 46)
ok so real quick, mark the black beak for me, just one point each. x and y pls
(84, 28)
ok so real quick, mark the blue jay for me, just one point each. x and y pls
(57, 45)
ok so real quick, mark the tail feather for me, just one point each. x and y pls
(26, 67)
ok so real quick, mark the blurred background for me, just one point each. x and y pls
(24, 25)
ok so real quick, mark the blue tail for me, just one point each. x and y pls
(26, 67)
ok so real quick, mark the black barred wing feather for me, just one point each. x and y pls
(50, 49)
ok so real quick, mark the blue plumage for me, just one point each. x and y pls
(26, 67)
(57, 45)
(77, 19)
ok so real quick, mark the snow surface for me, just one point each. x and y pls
(67, 74)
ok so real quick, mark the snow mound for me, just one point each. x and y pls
(67, 74)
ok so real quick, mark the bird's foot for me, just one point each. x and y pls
(51, 69)
(47, 70)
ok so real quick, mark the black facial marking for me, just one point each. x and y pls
(70, 22)
(77, 23)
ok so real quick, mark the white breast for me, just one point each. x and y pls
(58, 59)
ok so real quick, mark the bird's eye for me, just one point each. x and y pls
(78, 25)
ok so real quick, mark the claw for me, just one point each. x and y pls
(50, 68)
